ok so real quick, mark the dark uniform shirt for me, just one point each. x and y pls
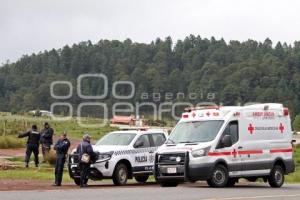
(47, 136)
(62, 146)
(33, 137)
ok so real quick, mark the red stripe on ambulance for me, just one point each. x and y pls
(281, 150)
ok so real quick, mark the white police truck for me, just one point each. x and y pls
(222, 144)
(122, 155)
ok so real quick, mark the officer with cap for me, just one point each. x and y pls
(62, 146)
(32, 145)
(46, 139)
(85, 148)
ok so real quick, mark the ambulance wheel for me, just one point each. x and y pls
(276, 178)
(120, 175)
(77, 181)
(219, 177)
(231, 182)
(141, 179)
(168, 184)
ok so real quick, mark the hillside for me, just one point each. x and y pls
(237, 72)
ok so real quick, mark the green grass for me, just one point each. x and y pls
(32, 174)
(8, 142)
(295, 177)
(12, 125)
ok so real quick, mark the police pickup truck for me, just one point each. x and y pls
(122, 155)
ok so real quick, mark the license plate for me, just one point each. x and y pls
(172, 170)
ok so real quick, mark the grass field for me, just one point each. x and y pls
(12, 125)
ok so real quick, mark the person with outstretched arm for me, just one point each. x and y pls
(62, 147)
(32, 145)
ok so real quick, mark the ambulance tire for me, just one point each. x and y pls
(219, 177)
(231, 182)
(77, 181)
(120, 175)
(168, 184)
(141, 179)
(276, 178)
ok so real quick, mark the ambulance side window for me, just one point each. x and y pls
(231, 129)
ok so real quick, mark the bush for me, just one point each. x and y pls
(10, 142)
(51, 157)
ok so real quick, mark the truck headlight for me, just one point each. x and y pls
(198, 153)
(102, 157)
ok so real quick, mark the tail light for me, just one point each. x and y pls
(285, 111)
(185, 116)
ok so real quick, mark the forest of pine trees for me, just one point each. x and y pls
(237, 72)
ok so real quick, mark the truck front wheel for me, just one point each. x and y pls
(77, 181)
(219, 177)
(168, 184)
(141, 179)
(120, 174)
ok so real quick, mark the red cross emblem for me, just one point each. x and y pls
(208, 113)
(193, 114)
(234, 153)
(281, 128)
(250, 128)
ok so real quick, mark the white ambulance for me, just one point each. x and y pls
(222, 144)
(122, 155)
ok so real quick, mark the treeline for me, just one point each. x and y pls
(235, 72)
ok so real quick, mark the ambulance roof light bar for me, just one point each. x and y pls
(189, 109)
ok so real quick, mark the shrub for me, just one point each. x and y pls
(51, 157)
(10, 142)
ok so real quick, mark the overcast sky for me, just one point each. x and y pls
(34, 25)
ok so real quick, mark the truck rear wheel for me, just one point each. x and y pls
(120, 174)
(219, 177)
(141, 179)
(276, 178)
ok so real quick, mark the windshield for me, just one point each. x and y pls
(116, 139)
(196, 131)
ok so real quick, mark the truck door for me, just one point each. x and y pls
(141, 156)
(156, 139)
(231, 153)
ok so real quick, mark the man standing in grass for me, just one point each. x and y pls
(32, 145)
(46, 139)
(62, 146)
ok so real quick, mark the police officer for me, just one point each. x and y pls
(62, 146)
(46, 139)
(85, 147)
(32, 145)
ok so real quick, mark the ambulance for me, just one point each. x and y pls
(223, 144)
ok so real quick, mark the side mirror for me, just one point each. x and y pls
(226, 141)
(138, 144)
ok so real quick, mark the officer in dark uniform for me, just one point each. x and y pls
(32, 145)
(46, 139)
(85, 147)
(62, 146)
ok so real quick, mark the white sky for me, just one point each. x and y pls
(28, 26)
